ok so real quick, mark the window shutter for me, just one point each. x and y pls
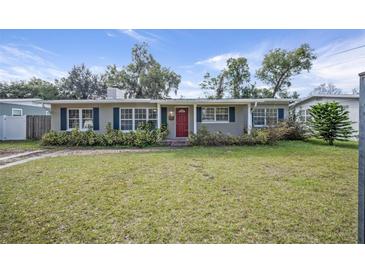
(96, 118)
(199, 114)
(164, 116)
(281, 114)
(63, 118)
(232, 114)
(115, 118)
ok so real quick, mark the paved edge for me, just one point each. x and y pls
(83, 152)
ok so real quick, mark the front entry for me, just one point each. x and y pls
(182, 120)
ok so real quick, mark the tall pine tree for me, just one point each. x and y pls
(330, 121)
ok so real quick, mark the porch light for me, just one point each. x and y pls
(171, 115)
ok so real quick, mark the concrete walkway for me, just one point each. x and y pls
(25, 157)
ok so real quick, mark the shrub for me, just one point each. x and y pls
(144, 136)
(271, 135)
(206, 138)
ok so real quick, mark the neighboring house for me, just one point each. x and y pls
(348, 101)
(20, 107)
(181, 116)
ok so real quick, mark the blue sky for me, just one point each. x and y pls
(49, 54)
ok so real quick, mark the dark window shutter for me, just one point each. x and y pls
(96, 118)
(232, 114)
(115, 118)
(281, 114)
(164, 116)
(63, 118)
(199, 114)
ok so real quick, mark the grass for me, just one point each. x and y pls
(19, 145)
(295, 192)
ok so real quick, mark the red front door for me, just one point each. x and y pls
(182, 119)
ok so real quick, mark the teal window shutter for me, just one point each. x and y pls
(63, 118)
(164, 116)
(96, 118)
(281, 114)
(199, 114)
(115, 118)
(232, 114)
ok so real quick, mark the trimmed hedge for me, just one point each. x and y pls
(142, 137)
(284, 131)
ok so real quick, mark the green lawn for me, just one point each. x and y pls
(294, 192)
(19, 145)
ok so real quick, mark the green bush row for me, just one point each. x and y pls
(142, 137)
(289, 130)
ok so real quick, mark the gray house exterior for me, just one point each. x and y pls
(349, 101)
(181, 116)
(20, 107)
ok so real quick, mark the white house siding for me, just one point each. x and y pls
(351, 104)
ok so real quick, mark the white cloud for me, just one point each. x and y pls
(338, 62)
(27, 61)
(189, 93)
(218, 62)
(137, 36)
(189, 89)
(110, 34)
(189, 84)
(97, 69)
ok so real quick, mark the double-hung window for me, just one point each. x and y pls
(80, 118)
(271, 116)
(126, 119)
(152, 117)
(263, 117)
(132, 118)
(140, 116)
(215, 114)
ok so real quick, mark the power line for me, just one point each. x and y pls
(347, 50)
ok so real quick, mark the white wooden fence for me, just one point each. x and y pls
(13, 127)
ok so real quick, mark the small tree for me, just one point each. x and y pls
(330, 121)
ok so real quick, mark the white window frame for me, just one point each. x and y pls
(303, 115)
(265, 116)
(215, 116)
(134, 117)
(120, 119)
(16, 109)
(80, 118)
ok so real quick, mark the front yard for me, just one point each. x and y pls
(294, 192)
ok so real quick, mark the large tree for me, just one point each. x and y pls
(233, 80)
(81, 83)
(33, 88)
(330, 121)
(144, 77)
(279, 66)
(326, 89)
